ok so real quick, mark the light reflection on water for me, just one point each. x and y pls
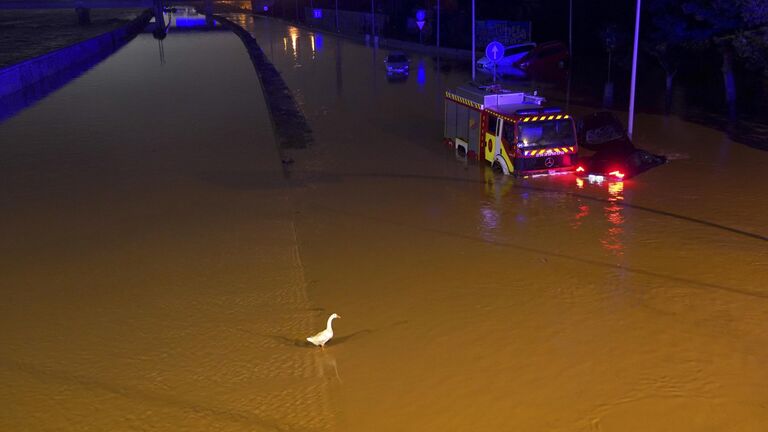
(490, 219)
(489, 216)
(616, 190)
(316, 43)
(293, 32)
(245, 5)
(583, 212)
(312, 42)
(613, 239)
(610, 233)
(421, 75)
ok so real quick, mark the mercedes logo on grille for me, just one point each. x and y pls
(549, 162)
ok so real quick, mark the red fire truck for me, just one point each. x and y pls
(514, 131)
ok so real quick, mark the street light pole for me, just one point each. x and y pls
(473, 40)
(570, 27)
(337, 16)
(438, 27)
(634, 74)
(373, 21)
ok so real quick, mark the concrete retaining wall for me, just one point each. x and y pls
(291, 128)
(17, 77)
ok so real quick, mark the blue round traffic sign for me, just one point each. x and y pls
(494, 51)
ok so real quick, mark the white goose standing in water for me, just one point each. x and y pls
(324, 336)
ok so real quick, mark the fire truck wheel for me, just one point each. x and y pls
(497, 168)
(500, 167)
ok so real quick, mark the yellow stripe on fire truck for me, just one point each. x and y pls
(463, 100)
(540, 118)
(549, 152)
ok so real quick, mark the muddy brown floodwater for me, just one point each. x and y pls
(160, 267)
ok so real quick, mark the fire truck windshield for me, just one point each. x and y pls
(546, 133)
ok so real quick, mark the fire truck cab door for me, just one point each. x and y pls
(492, 138)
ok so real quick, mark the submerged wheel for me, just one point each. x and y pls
(500, 165)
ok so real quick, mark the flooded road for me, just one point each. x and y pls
(161, 266)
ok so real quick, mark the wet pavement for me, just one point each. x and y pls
(162, 266)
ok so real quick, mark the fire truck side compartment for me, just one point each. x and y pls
(450, 120)
(462, 122)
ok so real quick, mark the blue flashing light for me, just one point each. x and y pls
(421, 15)
(318, 42)
(551, 110)
(548, 110)
(317, 13)
(266, 8)
(527, 112)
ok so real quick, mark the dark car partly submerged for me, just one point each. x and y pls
(615, 156)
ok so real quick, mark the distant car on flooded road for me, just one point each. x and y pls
(397, 62)
(544, 59)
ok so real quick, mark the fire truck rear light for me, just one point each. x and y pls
(580, 169)
(617, 174)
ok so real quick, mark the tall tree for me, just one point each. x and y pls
(737, 28)
(612, 38)
(667, 35)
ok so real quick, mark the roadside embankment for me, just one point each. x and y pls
(29, 33)
(24, 74)
(290, 124)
